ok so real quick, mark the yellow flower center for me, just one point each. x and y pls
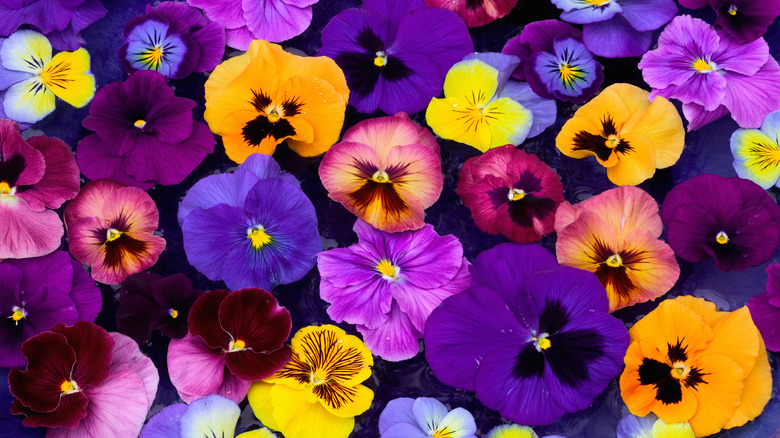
(174, 313)
(380, 176)
(614, 261)
(154, 57)
(732, 10)
(69, 387)
(612, 141)
(598, 2)
(444, 433)
(18, 314)
(112, 234)
(680, 370)
(569, 73)
(274, 114)
(6, 189)
(703, 66)
(258, 236)
(541, 342)
(516, 194)
(380, 60)
(318, 377)
(140, 123)
(387, 269)
(236, 345)
(722, 238)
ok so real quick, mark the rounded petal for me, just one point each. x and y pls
(213, 415)
(25, 232)
(194, 368)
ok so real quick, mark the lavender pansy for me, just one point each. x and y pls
(395, 53)
(388, 284)
(424, 417)
(60, 20)
(174, 39)
(533, 339)
(617, 28)
(765, 309)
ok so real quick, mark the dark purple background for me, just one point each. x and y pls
(706, 151)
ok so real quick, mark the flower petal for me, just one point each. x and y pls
(194, 368)
(213, 415)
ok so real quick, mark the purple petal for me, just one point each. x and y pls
(574, 12)
(85, 293)
(365, 302)
(706, 89)
(395, 340)
(697, 116)
(166, 423)
(275, 20)
(225, 12)
(226, 188)
(615, 38)
(544, 111)
(646, 15)
(97, 162)
(751, 98)
(397, 411)
(746, 59)
(766, 316)
(507, 265)
(210, 235)
(773, 284)
(211, 41)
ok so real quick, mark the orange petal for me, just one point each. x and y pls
(736, 336)
(236, 145)
(640, 399)
(705, 309)
(635, 99)
(635, 165)
(669, 322)
(652, 267)
(719, 396)
(756, 392)
(323, 109)
(661, 123)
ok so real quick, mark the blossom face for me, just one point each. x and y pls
(110, 228)
(482, 109)
(386, 171)
(510, 192)
(36, 176)
(251, 228)
(33, 78)
(731, 220)
(617, 28)
(274, 21)
(388, 284)
(754, 151)
(303, 104)
(689, 362)
(392, 54)
(426, 417)
(60, 20)
(31, 303)
(533, 339)
(81, 381)
(234, 338)
(615, 236)
(320, 389)
(174, 39)
(744, 20)
(476, 12)
(651, 426)
(765, 309)
(144, 135)
(627, 134)
(711, 73)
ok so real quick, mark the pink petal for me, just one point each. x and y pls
(127, 356)
(384, 133)
(90, 200)
(12, 144)
(60, 182)
(195, 369)
(26, 233)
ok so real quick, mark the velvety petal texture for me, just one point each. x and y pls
(476, 12)
(60, 20)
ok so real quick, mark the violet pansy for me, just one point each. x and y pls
(60, 20)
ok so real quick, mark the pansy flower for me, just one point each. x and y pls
(386, 171)
(83, 381)
(475, 12)
(533, 339)
(212, 416)
(174, 39)
(110, 228)
(628, 134)
(388, 284)
(149, 302)
(144, 135)
(756, 152)
(516, 431)
(234, 339)
(32, 78)
(689, 362)
(765, 309)
(732, 220)
(483, 109)
(615, 236)
(424, 417)
(555, 62)
(319, 392)
(617, 28)
(270, 20)
(266, 96)
(394, 53)
(510, 192)
(651, 426)
(712, 74)
(36, 176)
(745, 20)
(251, 228)
(60, 20)
(37, 293)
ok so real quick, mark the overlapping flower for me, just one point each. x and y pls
(765, 309)
(406, 417)
(60, 20)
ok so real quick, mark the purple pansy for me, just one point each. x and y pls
(251, 228)
(533, 339)
(745, 20)
(424, 417)
(174, 39)
(395, 53)
(60, 20)
(388, 284)
(617, 28)
(555, 62)
(37, 293)
(712, 74)
(270, 20)
(149, 302)
(765, 309)
(144, 135)
(732, 220)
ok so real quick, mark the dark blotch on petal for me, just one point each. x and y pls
(553, 317)
(11, 167)
(260, 100)
(359, 68)
(652, 372)
(529, 363)
(571, 352)
(596, 143)
(392, 203)
(258, 129)
(677, 352)
(125, 244)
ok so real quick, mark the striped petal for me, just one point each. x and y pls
(28, 101)
(26, 51)
(69, 78)
(756, 157)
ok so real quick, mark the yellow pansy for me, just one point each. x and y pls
(757, 152)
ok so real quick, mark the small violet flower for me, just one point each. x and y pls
(144, 135)
(424, 417)
(555, 62)
(60, 20)
(234, 339)
(483, 109)
(651, 426)
(732, 220)
(712, 74)
(148, 302)
(511, 192)
(110, 228)
(617, 28)
(251, 228)
(755, 151)
(476, 12)
(388, 284)
(394, 52)
(516, 431)
(765, 309)
(37, 175)
(744, 20)
(174, 39)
